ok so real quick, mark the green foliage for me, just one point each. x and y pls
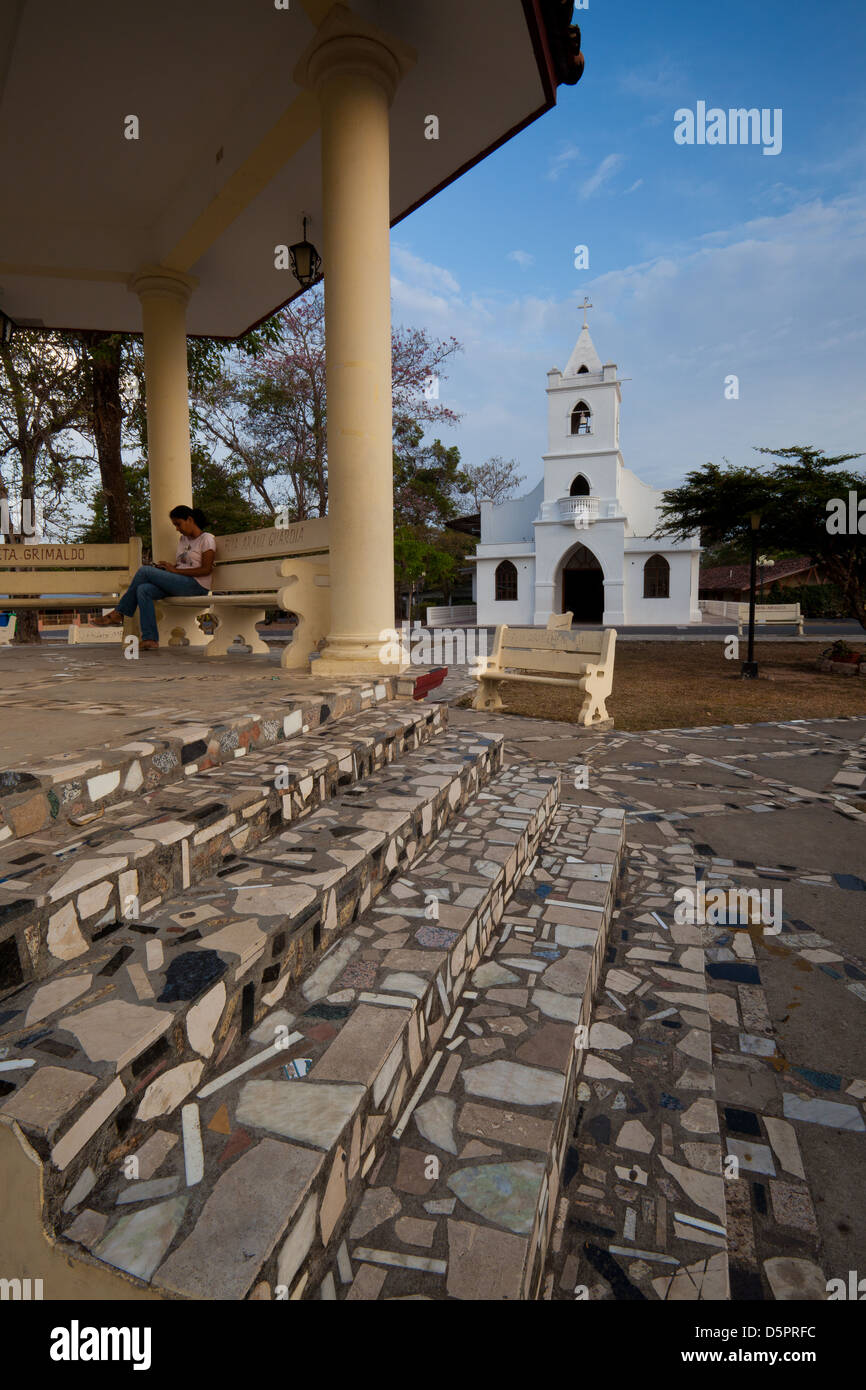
(791, 497)
(214, 489)
(815, 600)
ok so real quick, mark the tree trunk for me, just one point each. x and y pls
(844, 574)
(27, 625)
(103, 351)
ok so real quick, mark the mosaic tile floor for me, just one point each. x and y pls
(694, 1171)
(461, 1201)
(332, 1068)
(63, 888)
(95, 1056)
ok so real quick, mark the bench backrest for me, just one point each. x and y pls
(764, 612)
(559, 621)
(30, 569)
(550, 650)
(248, 562)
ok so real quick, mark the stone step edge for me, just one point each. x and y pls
(194, 852)
(77, 786)
(531, 1250)
(445, 988)
(525, 843)
(545, 1215)
(55, 1186)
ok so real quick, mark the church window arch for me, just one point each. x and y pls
(583, 369)
(580, 487)
(506, 582)
(657, 577)
(581, 419)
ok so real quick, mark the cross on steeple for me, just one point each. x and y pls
(584, 306)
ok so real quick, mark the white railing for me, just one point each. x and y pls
(717, 608)
(466, 613)
(579, 510)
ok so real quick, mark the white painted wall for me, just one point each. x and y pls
(621, 539)
(492, 611)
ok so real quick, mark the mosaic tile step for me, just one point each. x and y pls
(62, 888)
(76, 788)
(461, 1200)
(247, 1185)
(97, 1060)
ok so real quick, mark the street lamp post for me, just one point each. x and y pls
(750, 665)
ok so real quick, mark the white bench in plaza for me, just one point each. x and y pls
(767, 613)
(788, 613)
(254, 571)
(40, 574)
(551, 656)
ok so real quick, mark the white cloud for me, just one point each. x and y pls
(777, 301)
(637, 183)
(605, 171)
(523, 258)
(424, 273)
(567, 155)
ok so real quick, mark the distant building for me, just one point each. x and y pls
(582, 541)
(731, 582)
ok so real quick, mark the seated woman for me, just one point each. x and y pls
(188, 576)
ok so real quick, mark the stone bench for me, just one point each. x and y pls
(250, 576)
(7, 630)
(43, 575)
(156, 1013)
(769, 614)
(552, 656)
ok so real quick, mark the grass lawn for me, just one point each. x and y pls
(662, 685)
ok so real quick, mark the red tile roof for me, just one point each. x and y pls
(737, 576)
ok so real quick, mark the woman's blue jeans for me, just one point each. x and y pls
(148, 586)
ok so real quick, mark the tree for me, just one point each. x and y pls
(216, 489)
(794, 498)
(495, 480)
(42, 406)
(269, 414)
(102, 357)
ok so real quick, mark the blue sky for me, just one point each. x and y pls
(705, 261)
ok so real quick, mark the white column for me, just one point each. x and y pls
(355, 70)
(614, 614)
(164, 295)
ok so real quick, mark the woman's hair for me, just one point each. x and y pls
(183, 513)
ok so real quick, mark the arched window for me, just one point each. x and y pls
(581, 418)
(584, 368)
(657, 577)
(580, 487)
(506, 582)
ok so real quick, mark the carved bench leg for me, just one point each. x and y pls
(594, 708)
(488, 697)
(178, 626)
(307, 637)
(236, 621)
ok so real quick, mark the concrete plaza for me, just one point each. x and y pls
(714, 1121)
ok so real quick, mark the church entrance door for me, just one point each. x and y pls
(583, 587)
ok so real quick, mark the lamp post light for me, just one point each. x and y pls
(750, 665)
(305, 261)
(765, 562)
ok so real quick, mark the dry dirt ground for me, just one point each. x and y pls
(687, 684)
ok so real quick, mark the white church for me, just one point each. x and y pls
(582, 541)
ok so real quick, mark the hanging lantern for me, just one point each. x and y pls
(305, 261)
